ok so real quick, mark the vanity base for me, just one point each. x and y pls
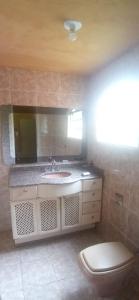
(37, 237)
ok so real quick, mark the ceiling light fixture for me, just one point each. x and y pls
(72, 27)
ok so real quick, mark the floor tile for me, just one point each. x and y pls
(49, 270)
(66, 268)
(14, 295)
(76, 289)
(61, 249)
(33, 252)
(10, 278)
(85, 240)
(44, 292)
(37, 273)
(9, 257)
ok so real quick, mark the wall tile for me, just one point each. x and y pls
(47, 81)
(71, 84)
(118, 216)
(121, 188)
(110, 157)
(70, 100)
(5, 97)
(23, 98)
(134, 198)
(59, 100)
(122, 180)
(44, 89)
(4, 79)
(133, 228)
(22, 80)
(45, 99)
(121, 173)
(31, 88)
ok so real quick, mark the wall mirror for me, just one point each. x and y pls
(37, 134)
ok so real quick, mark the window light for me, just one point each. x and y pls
(117, 114)
(75, 125)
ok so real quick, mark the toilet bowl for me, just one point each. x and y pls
(107, 265)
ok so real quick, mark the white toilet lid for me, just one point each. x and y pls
(106, 256)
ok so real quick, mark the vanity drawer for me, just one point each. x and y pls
(92, 184)
(90, 218)
(23, 193)
(91, 207)
(91, 195)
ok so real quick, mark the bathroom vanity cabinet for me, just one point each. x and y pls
(44, 210)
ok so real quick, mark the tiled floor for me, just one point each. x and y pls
(48, 270)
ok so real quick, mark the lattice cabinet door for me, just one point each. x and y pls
(49, 215)
(71, 211)
(24, 221)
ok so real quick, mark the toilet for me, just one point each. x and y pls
(107, 265)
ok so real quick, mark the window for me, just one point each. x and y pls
(75, 125)
(117, 114)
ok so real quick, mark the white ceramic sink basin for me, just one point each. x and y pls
(55, 175)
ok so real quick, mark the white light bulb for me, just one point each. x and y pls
(72, 36)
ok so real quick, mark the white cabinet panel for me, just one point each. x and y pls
(45, 209)
(58, 190)
(90, 207)
(23, 193)
(71, 211)
(24, 218)
(91, 195)
(48, 215)
(89, 219)
(91, 201)
(92, 184)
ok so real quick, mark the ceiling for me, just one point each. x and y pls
(32, 33)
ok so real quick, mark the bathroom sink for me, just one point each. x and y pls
(55, 175)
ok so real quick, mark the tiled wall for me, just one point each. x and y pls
(23, 87)
(121, 165)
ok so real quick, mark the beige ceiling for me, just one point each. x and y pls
(32, 33)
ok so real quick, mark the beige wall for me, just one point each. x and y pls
(23, 87)
(120, 164)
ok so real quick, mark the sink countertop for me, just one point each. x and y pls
(32, 176)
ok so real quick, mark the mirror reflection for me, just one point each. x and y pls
(47, 132)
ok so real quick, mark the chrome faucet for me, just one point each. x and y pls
(53, 165)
